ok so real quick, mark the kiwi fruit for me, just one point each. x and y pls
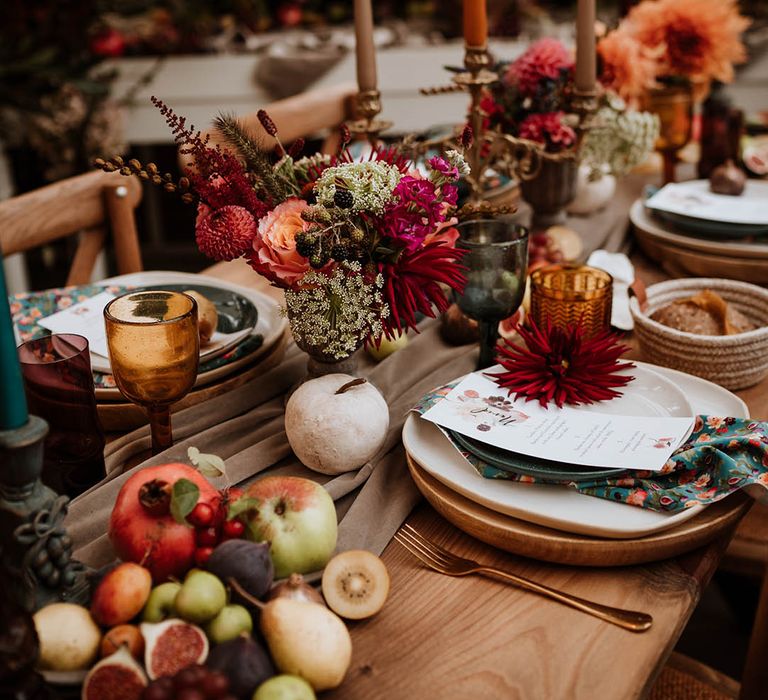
(355, 584)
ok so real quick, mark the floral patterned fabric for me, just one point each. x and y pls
(721, 456)
(27, 308)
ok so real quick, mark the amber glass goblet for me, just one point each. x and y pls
(673, 104)
(154, 350)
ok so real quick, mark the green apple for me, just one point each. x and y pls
(297, 517)
(230, 623)
(387, 346)
(284, 687)
(159, 605)
(201, 597)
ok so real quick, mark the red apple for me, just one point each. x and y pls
(121, 594)
(297, 517)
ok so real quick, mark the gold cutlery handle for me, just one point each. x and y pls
(628, 619)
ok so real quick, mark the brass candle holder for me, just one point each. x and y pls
(367, 109)
(492, 150)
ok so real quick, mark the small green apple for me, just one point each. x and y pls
(284, 687)
(201, 597)
(387, 346)
(230, 623)
(160, 602)
(298, 519)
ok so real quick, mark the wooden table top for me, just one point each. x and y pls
(443, 637)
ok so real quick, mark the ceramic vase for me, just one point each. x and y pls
(553, 188)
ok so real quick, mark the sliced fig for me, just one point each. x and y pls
(116, 677)
(355, 584)
(172, 645)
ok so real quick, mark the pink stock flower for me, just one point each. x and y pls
(274, 247)
(415, 213)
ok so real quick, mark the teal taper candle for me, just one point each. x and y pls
(13, 403)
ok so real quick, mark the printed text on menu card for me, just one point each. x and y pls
(479, 408)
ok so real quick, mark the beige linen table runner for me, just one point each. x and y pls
(246, 428)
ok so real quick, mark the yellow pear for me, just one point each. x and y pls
(307, 640)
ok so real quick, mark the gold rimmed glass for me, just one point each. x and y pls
(154, 350)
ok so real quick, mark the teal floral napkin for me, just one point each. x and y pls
(28, 308)
(721, 456)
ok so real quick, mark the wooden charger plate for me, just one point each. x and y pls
(128, 416)
(547, 544)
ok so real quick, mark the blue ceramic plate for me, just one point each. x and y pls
(543, 469)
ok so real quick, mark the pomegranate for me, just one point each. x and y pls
(117, 677)
(172, 645)
(141, 528)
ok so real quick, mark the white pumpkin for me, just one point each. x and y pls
(332, 432)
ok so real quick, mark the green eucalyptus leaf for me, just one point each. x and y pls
(184, 497)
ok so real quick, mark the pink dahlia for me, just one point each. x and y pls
(226, 233)
(545, 59)
(548, 128)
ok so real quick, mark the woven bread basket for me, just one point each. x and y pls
(733, 361)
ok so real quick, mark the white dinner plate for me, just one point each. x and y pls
(555, 506)
(270, 324)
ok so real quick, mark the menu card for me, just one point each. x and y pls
(85, 318)
(478, 408)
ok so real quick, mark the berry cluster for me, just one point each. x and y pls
(211, 528)
(191, 683)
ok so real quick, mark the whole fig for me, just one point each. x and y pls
(244, 661)
(727, 179)
(247, 562)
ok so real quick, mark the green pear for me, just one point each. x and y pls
(159, 605)
(230, 623)
(201, 597)
(307, 640)
(284, 687)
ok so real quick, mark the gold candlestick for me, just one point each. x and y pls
(367, 108)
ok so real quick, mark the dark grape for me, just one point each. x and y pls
(157, 691)
(53, 579)
(190, 694)
(40, 559)
(62, 560)
(215, 684)
(189, 677)
(55, 547)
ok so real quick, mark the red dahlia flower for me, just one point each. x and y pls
(226, 233)
(563, 366)
(545, 59)
(548, 129)
(412, 284)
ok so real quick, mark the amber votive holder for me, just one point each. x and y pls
(566, 294)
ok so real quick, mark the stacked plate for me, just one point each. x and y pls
(249, 336)
(555, 522)
(690, 230)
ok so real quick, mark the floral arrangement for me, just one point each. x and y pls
(359, 246)
(530, 100)
(695, 40)
(620, 140)
(560, 365)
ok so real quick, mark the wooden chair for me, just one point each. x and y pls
(87, 205)
(301, 115)
(686, 679)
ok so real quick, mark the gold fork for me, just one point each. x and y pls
(445, 562)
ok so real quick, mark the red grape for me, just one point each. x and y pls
(202, 554)
(215, 684)
(202, 515)
(207, 537)
(233, 528)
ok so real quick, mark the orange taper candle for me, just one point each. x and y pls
(475, 23)
(365, 51)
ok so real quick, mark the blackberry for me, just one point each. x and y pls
(343, 199)
(316, 261)
(340, 251)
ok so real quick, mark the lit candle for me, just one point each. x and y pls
(13, 403)
(366, 54)
(585, 46)
(475, 23)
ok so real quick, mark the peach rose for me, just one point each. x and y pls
(275, 243)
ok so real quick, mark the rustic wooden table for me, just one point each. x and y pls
(442, 637)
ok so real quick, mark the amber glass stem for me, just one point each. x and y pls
(160, 426)
(670, 162)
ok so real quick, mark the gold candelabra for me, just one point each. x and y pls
(492, 150)
(367, 109)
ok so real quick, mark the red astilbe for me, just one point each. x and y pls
(563, 366)
(412, 284)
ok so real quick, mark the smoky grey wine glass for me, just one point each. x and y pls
(496, 259)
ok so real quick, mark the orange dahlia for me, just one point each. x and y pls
(628, 67)
(701, 38)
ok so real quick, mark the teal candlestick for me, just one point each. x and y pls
(13, 402)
